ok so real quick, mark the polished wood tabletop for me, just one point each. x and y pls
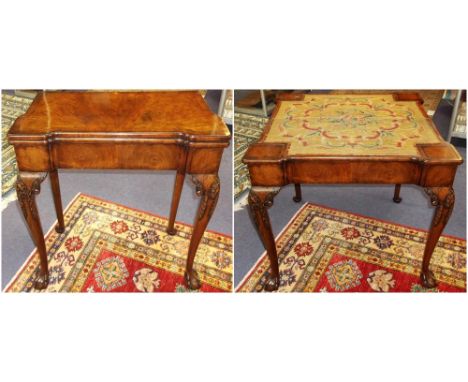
(164, 130)
(120, 112)
(351, 138)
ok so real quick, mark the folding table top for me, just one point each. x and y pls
(351, 125)
(120, 113)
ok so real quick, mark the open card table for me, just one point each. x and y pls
(318, 139)
(119, 130)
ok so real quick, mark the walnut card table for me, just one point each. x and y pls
(119, 130)
(383, 139)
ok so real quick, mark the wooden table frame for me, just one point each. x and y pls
(270, 168)
(39, 154)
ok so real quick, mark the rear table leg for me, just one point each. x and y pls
(54, 182)
(396, 195)
(298, 197)
(178, 185)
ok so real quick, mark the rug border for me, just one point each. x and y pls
(385, 221)
(153, 214)
(29, 258)
(253, 268)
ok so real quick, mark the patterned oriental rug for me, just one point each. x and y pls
(107, 247)
(12, 107)
(248, 130)
(326, 250)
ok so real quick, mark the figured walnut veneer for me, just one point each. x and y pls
(167, 130)
(144, 130)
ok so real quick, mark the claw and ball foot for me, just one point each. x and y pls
(41, 281)
(272, 283)
(428, 280)
(192, 281)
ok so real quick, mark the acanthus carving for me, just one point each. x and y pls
(26, 194)
(210, 194)
(260, 205)
(446, 203)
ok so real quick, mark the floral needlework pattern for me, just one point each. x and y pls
(381, 280)
(112, 248)
(326, 250)
(344, 275)
(351, 124)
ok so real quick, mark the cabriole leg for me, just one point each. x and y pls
(260, 199)
(443, 198)
(207, 187)
(28, 185)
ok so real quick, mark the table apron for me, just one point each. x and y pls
(354, 172)
(348, 172)
(118, 155)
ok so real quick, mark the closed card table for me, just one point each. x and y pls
(171, 130)
(351, 138)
